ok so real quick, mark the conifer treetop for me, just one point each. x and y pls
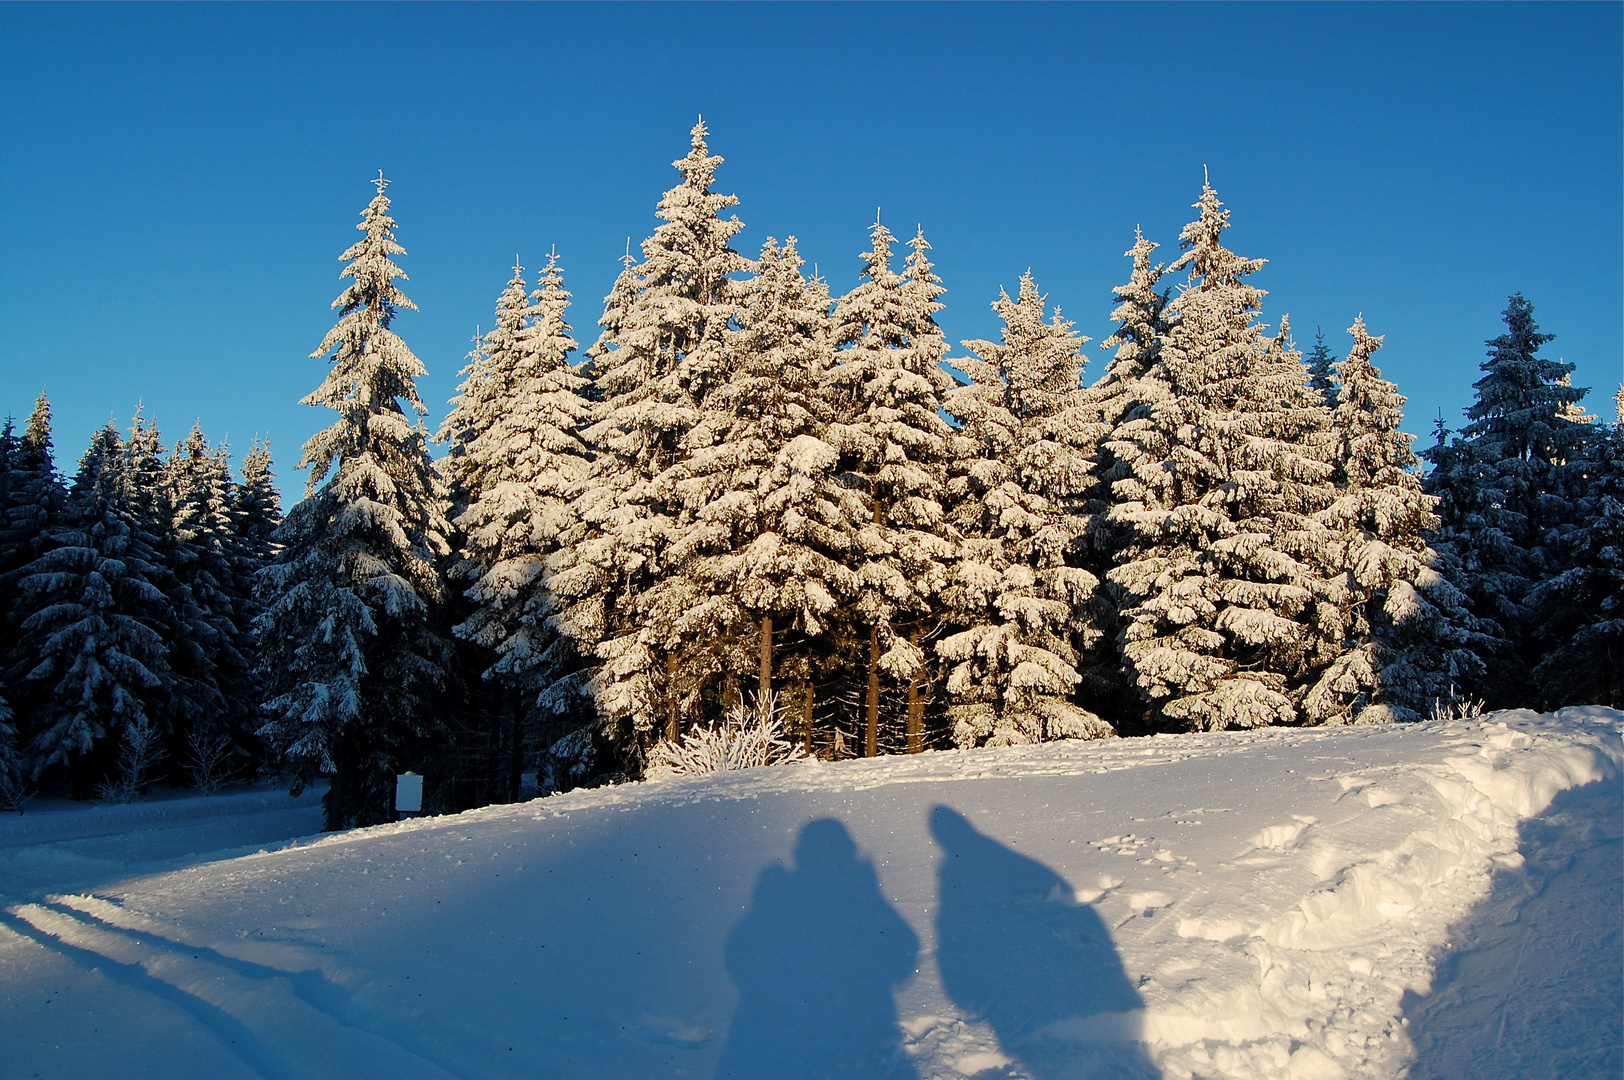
(1526, 405)
(373, 370)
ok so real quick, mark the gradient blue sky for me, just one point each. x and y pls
(178, 181)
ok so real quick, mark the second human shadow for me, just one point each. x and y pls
(1016, 949)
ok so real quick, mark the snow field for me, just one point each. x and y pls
(1218, 905)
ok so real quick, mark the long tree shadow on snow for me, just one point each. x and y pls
(1017, 950)
(1533, 981)
(815, 959)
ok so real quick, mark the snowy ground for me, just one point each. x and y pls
(1437, 900)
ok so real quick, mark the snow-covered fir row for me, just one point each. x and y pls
(749, 496)
(127, 599)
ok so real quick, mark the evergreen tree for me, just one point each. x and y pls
(1321, 363)
(1508, 488)
(631, 599)
(1578, 613)
(256, 515)
(92, 650)
(523, 463)
(30, 510)
(772, 520)
(1119, 405)
(205, 530)
(1021, 603)
(1223, 609)
(887, 387)
(1408, 638)
(351, 646)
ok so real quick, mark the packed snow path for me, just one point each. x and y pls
(1267, 904)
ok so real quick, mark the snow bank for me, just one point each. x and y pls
(1265, 904)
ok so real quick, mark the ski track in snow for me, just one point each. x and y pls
(1263, 904)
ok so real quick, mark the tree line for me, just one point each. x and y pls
(749, 491)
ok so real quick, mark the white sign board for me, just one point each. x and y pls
(409, 793)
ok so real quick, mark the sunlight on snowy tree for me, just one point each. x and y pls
(772, 520)
(351, 651)
(1025, 462)
(1223, 607)
(522, 460)
(886, 388)
(630, 598)
(1408, 636)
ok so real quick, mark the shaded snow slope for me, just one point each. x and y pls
(1265, 904)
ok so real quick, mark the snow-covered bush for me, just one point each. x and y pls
(1457, 707)
(748, 737)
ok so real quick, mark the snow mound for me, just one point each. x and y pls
(1268, 904)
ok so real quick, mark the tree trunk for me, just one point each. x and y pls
(671, 699)
(871, 742)
(765, 692)
(809, 692)
(916, 704)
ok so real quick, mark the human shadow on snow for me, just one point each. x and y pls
(1532, 983)
(815, 960)
(1016, 949)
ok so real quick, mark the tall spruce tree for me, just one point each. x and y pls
(772, 520)
(205, 534)
(256, 514)
(523, 462)
(631, 598)
(1578, 613)
(1015, 590)
(1224, 611)
(31, 509)
(1119, 406)
(1509, 487)
(351, 645)
(93, 659)
(887, 386)
(1408, 639)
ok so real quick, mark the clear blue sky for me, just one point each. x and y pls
(176, 182)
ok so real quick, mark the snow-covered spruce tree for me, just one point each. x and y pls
(771, 518)
(1408, 636)
(886, 388)
(1224, 613)
(30, 510)
(522, 465)
(205, 530)
(1321, 363)
(350, 644)
(1020, 603)
(1579, 613)
(1508, 488)
(193, 697)
(630, 598)
(1119, 405)
(95, 611)
(256, 514)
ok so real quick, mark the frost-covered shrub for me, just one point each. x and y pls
(748, 737)
(1457, 707)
